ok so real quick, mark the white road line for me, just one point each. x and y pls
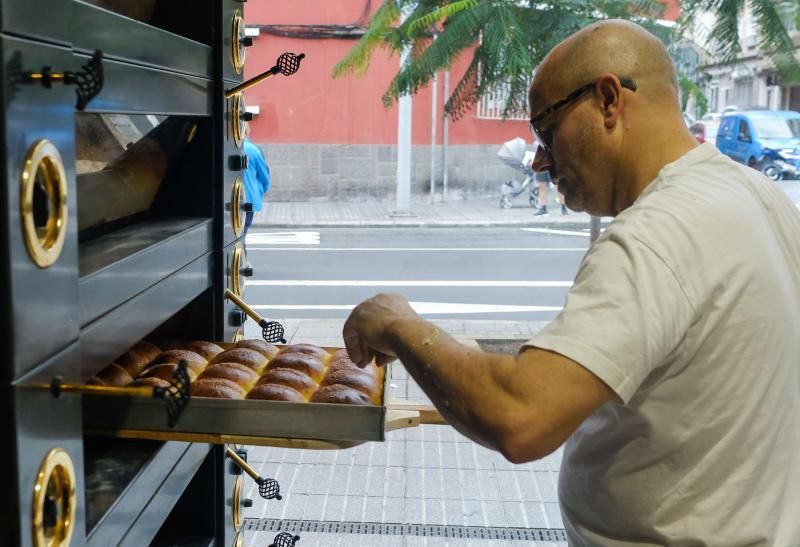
(399, 283)
(421, 249)
(283, 238)
(557, 232)
(427, 308)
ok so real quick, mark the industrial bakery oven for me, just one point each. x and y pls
(122, 211)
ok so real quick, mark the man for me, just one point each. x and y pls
(542, 179)
(674, 367)
(256, 180)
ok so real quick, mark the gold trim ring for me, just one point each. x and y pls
(236, 503)
(43, 185)
(237, 263)
(237, 200)
(54, 501)
(238, 123)
(238, 50)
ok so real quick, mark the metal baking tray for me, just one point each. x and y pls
(260, 423)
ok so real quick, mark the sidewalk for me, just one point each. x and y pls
(477, 212)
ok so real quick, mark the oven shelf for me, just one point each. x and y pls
(106, 338)
(171, 468)
(137, 42)
(118, 266)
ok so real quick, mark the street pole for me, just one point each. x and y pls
(434, 109)
(594, 228)
(445, 135)
(404, 143)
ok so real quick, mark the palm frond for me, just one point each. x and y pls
(357, 59)
(440, 14)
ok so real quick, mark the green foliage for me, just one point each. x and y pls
(771, 18)
(507, 39)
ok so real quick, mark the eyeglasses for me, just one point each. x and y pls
(545, 136)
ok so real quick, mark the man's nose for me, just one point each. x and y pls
(541, 160)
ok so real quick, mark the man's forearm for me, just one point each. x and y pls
(470, 388)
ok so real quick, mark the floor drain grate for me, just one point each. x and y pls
(396, 529)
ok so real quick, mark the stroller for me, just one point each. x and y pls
(513, 153)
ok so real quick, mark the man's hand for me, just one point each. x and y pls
(365, 331)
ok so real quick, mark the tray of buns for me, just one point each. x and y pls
(250, 392)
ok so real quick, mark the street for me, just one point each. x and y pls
(491, 274)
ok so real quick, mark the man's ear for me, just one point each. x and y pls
(611, 99)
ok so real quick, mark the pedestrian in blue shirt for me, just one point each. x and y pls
(256, 180)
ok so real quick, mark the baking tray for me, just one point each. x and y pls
(260, 423)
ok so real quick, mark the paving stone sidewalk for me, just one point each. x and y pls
(478, 212)
(428, 476)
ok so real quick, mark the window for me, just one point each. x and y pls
(492, 105)
(726, 127)
(777, 128)
(744, 132)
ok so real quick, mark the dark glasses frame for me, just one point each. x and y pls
(545, 137)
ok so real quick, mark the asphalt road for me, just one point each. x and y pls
(488, 274)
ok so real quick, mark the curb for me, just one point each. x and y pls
(427, 224)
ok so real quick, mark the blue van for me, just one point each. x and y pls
(754, 137)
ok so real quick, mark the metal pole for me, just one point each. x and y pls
(433, 134)
(594, 231)
(404, 143)
(445, 135)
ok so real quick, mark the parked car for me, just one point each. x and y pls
(705, 130)
(750, 136)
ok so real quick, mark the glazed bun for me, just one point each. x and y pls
(275, 392)
(194, 362)
(303, 362)
(264, 348)
(339, 394)
(292, 378)
(308, 349)
(244, 356)
(356, 379)
(166, 371)
(134, 361)
(208, 350)
(235, 372)
(151, 381)
(347, 364)
(95, 381)
(115, 375)
(218, 388)
(148, 349)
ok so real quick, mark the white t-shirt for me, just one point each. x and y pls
(688, 307)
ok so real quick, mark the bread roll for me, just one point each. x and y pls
(339, 394)
(134, 361)
(264, 348)
(347, 364)
(151, 381)
(166, 371)
(147, 348)
(235, 372)
(207, 350)
(356, 379)
(292, 378)
(194, 362)
(244, 356)
(275, 392)
(308, 349)
(218, 388)
(95, 381)
(115, 375)
(305, 363)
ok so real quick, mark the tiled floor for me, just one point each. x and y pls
(428, 475)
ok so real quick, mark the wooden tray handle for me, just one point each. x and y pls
(404, 414)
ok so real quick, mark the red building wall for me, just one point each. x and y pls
(312, 107)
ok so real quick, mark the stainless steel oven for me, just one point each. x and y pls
(121, 218)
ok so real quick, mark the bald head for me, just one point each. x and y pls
(615, 46)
